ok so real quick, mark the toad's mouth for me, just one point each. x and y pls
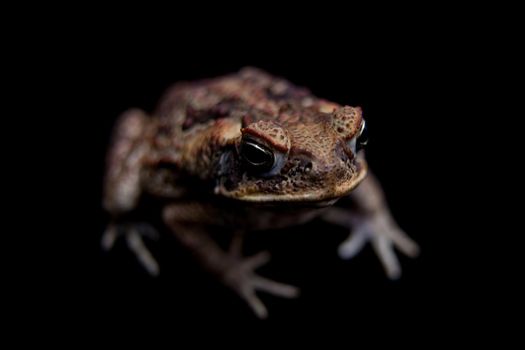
(316, 197)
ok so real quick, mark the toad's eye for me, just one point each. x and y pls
(362, 139)
(256, 157)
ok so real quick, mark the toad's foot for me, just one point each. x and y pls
(381, 231)
(191, 223)
(239, 275)
(133, 233)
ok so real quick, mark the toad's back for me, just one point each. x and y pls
(250, 94)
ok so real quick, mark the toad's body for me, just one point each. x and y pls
(246, 151)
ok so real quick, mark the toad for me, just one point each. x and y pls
(245, 152)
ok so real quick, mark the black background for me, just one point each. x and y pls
(410, 79)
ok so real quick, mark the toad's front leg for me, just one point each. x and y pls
(372, 221)
(234, 270)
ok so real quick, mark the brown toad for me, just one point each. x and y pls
(246, 151)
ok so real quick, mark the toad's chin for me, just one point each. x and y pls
(318, 197)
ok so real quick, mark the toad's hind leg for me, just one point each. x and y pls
(122, 186)
(234, 270)
(133, 233)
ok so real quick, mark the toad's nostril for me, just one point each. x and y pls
(308, 167)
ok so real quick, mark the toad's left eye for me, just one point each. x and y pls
(362, 139)
(359, 140)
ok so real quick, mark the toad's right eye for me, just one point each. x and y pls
(256, 157)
